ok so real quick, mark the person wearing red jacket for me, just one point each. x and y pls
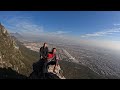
(52, 59)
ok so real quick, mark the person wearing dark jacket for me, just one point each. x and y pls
(44, 51)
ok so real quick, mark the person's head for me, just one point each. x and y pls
(54, 50)
(45, 45)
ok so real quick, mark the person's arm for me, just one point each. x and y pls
(56, 59)
(41, 52)
(46, 54)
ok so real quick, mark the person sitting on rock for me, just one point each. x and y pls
(52, 59)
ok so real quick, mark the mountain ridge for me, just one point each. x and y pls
(10, 55)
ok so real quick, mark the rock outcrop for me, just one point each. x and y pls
(10, 55)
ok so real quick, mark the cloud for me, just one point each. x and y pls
(59, 32)
(24, 25)
(116, 24)
(102, 33)
(27, 27)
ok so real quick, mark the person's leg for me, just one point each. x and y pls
(51, 63)
(45, 67)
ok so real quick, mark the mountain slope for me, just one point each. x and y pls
(76, 71)
(30, 56)
(17, 35)
(10, 55)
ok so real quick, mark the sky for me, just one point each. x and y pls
(100, 27)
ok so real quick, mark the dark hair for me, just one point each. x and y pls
(53, 49)
(44, 44)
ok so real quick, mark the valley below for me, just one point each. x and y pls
(100, 61)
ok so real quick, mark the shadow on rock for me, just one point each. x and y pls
(38, 72)
(10, 74)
